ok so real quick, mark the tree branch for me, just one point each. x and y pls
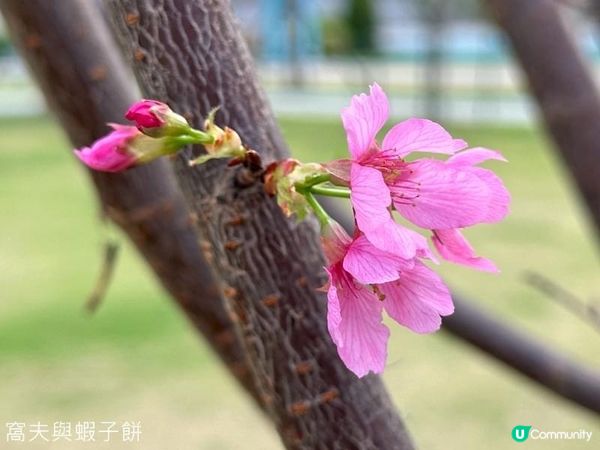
(586, 311)
(74, 60)
(526, 355)
(562, 85)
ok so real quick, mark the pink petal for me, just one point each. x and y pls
(417, 299)
(414, 316)
(334, 315)
(363, 119)
(143, 113)
(355, 325)
(437, 196)
(370, 197)
(419, 135)
(475, 156)
(105, 162)
(395, 239)
(127, 129)
(421, 245)
(453, 246)
(498, 206)
(369, 264)
(109, 153)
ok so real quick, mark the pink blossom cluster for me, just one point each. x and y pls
(381, 267)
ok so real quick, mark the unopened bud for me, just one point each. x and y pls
(156, 119)
(124, 147)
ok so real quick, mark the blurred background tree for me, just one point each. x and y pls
(360, 19)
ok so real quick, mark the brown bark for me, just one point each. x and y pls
(75, 62)
(190, 54)
(562, 85)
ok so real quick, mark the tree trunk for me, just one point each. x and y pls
(191, 55)
(562, 85)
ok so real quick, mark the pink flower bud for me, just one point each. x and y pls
(156, 119)
(148, 113)
(111, 153)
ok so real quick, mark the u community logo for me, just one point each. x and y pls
(520, 433)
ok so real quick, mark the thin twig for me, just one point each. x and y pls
(109, 260)
(587, 312)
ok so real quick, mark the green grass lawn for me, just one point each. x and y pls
(137, 358)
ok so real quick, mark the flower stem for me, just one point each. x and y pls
(311, 184)
(317, 208)
(201, 137)
(311, 181)
(183, 140)
(330, 191)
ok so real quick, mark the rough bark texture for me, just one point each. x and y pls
(74, 60)
(562, 85)
(190, 54)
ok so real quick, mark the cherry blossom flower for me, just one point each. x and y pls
(431, 193)
(363, 282)
(380, 268)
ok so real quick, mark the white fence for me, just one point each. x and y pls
(470, 92)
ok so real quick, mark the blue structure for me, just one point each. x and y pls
(289, 29)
